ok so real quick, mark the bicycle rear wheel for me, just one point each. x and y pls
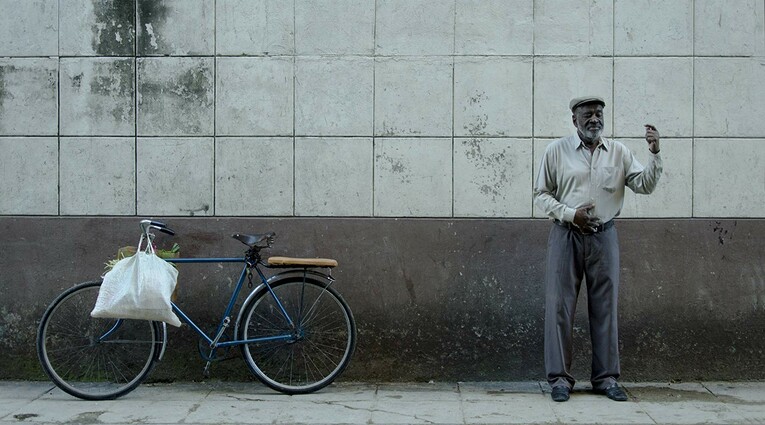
(319, 346)
(90, 358)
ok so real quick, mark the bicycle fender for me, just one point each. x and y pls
(164, 341)
(309, 275)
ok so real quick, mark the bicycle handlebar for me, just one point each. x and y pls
(162, 227)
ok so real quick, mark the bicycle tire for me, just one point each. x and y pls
(78, 362)
(323, 340)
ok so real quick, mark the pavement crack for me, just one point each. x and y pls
(342, 404)
(191, 410)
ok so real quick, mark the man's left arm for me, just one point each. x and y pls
(644, 180)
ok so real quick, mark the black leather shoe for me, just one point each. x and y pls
(614, 392)
(560, 393)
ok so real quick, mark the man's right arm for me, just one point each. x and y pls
(544, 189)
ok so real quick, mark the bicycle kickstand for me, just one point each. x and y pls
(214, 344)
(206, 371)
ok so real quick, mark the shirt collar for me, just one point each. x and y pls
(605, 144)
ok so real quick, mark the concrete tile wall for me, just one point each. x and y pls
(434, 108)
(733, 184)
(174, 176)
(413, 97)
(573, 27)
(254, 176)
(29, 175)
(332, 178)
(654, 27)
(97, 96)
(28, 96)
(98, 176)
(491, 177)
(674, 195)
(29, 28)
(413, 177)
(255, 96)
(333, 96)
(88, 28)
(659, 90)
(175, 96)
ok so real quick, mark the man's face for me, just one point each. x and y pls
(588, 120)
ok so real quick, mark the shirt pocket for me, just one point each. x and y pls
(610, 179)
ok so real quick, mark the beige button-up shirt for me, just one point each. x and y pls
(570, 177)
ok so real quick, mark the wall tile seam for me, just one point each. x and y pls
(454, 101)
(58, 108)
(294, 108)
(466, 56)
(374, 112)
(622, 136)
(135, 108)
(403, 136)
(693, 108)
(213, 184)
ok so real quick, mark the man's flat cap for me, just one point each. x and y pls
(578, 101)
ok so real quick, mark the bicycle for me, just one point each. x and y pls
(295, 331)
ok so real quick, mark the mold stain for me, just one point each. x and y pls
(495, 166)
(115, 80)
(2, 85)
(114, 27)
(151, 16)
(397, 167)
(477, 126)
(13, 329)
(194, 85)
(38, 76)
(77, 80)
(722, 233)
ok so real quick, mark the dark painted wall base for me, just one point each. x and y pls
(434, 299)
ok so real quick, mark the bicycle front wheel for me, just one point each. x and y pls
(308, 354)
(90, 358)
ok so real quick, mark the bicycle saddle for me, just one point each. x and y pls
(253, 240)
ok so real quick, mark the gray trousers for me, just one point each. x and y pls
(572, 257)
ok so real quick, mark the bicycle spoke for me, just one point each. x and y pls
(324, 336)
(81, 364)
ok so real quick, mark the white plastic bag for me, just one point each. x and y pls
(138, 287)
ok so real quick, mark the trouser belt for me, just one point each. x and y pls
(605, 226)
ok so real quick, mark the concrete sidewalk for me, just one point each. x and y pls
(358, 403)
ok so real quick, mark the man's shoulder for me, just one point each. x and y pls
(616, 146)
(567, 142)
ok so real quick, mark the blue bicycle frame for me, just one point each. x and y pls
(224, 323)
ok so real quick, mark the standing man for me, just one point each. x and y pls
(581, 187)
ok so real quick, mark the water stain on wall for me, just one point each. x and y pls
(495, 165)
(396, 167)
(114, 27)
(36, 75)
(77, 80)
(152, 15)
(2, 86)
(479, 124)
(194, 85)
(115, 80)
(722, 232)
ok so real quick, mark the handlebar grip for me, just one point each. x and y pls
(158, 224)
(166, 230)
